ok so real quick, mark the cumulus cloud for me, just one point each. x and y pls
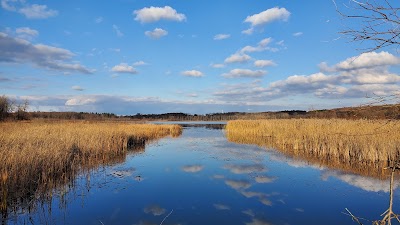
(264, 63)
(237, 58)
(267, 16)
(352, 78)
(38, 12)
(117, 31)
(157, 33)
(124, 68)
(192, 73)
(77, 88)
(15, 50)
(140, 63)
(154, 14)
(261, 46)
(80, 101)
(192, 168)
(34, 11)
(128, 105)
(236, 73)
(26, 33)
(221, 36)
(364, 61)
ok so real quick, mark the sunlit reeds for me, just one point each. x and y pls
(362, 146)
(38, 156)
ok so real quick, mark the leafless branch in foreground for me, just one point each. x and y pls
(373, 21)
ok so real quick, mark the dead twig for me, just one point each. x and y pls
(166, 217)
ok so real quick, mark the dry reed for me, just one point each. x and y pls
(39, 156)
(361, 146)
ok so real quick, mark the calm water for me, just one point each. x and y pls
(200, 178)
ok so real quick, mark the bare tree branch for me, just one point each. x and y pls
(374, 21)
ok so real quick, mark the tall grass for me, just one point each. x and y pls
(38, 156)
(362, 146)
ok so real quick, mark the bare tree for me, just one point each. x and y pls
(5, 107)
(373, 21)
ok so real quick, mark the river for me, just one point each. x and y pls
(201, 178)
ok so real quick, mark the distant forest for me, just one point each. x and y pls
(363, 112)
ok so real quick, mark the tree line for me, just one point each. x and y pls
(10, 110)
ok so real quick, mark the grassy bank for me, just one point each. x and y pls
(362, 146)
(38, 156)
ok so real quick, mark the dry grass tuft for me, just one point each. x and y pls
(361, 146)
(38, 156)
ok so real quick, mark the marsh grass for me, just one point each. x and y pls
(39, 156)
(361, 146)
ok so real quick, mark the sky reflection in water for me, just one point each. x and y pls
(200, 178)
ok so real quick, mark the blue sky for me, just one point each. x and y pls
(136, 56)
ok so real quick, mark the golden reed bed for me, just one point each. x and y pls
(360, 146)
(38, 156)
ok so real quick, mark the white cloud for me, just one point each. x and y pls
(221, 36)
(38, 12)
(363, 61)
(26, 33)
(264, 42)
(8, 5)
(80, 101)
(117, 31)
(264, 63)
(262, 46)
(17, 50)
(157, 33)
(140, 63)
(217, 65)
(99, 19)
(268, 16)
(265, 17)
(154, 14)
(237, 58)
(34, 11)
(77, 88)
(192, 73)
(236, 73)
(248, 31)
(297, 34)
(124, 68)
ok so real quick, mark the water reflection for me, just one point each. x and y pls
(26, 195)
(200, 178)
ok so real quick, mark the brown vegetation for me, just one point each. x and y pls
(39, 156)
(361, 146)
